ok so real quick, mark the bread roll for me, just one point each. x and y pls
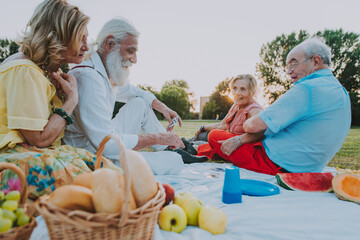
(72, 197)
(84, 180)
(108, 191)
(143, 182)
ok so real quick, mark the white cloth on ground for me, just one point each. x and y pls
(288, 215)
(93, 116)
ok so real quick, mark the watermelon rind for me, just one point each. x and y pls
(309, 182)
(282, 183)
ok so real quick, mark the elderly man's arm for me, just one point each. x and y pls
(150, 139)
(166, 111)
(254, 125)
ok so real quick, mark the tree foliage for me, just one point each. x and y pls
(175, 95)
(177, 99)
(219, 101)
(345, 49)
(184, 85)
(7, 48)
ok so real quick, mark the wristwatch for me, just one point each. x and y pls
(202, 129)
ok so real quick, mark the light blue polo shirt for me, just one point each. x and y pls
(308, 124)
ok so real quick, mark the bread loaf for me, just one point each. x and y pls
(84, 180)
(108, 191)
(72, 197)
(143, 183)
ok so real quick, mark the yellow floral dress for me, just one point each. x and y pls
(27, 99)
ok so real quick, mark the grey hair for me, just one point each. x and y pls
(252, 82)
(120, 28)
(316, 46)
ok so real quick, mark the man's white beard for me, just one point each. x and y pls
(117, 70)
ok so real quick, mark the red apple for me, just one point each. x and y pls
(170, 192)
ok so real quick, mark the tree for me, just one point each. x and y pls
(178, 102)
(345, 49)
(176, 99)
(149, 89)
(184, 85)
(219, 101)
(7, 48)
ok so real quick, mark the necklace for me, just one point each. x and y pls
(59, 92)
(46, 72)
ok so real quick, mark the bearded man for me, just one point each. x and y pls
(102, 80)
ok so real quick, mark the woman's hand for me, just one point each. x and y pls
(229, 146)
(198, 132)
(69, 87)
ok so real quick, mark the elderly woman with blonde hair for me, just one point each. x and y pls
(37, 99)
(228, 135)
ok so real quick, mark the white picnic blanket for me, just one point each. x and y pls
(289, 215)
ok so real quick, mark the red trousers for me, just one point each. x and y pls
(251, 156)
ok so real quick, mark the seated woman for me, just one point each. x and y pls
(36, 99)
(229, 133)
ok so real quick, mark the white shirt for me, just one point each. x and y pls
(92, 116)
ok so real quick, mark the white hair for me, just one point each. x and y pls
(316, 46)
(120, 28)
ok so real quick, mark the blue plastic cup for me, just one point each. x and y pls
(232, 188)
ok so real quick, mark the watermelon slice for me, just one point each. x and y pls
(309, 182)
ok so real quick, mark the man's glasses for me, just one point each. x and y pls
(291, 67)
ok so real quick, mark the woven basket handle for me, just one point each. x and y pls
(123, 161)
(21, 176)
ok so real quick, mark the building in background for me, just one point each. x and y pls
(203, 100)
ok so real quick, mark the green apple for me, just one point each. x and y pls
(11, 205)
(212, 219)
(13, 195)
(191, 206)
(179, 198)
(5, 224)
(2, 195)
(23, 220)
(172, 218)
(9, 215)
(20, 211)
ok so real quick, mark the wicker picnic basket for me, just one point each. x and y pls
(23, 232)
(127, 224)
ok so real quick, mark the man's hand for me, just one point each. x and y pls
(171, 139)
(166, 138)
(170, 115)
(167, 112)
(229, 146)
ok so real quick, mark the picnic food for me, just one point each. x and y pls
(347, 187)
(72, 197)
(84, 180)
(143, 182)
(310, 182)
(10, 213)
(179, 198)
(191, 206)
(108, 191)
(172, 218)
(212, 219)
(170, 192)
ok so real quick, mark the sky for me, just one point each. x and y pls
(200, 41)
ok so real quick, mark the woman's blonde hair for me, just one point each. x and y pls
(252, 82)
(54, 25)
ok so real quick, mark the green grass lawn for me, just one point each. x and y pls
(347, 157)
